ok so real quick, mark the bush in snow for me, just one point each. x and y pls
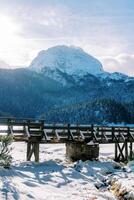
(5, 149)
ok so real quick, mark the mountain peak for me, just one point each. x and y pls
(68, 59)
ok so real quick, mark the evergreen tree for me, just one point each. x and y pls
(5, 149)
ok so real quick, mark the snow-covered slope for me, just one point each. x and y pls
(70, 60)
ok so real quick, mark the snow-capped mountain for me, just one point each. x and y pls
(71, 64)
(68, 60)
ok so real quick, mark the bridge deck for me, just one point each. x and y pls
(32, 130)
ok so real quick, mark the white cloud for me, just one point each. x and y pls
(121, 63)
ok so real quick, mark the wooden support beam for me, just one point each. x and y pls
(131, 151)
(132, 136)
(36, 151)
(82, 135)
(92, 129)
(55, 137)
(92, 132)
(116, 151)
(45, 135)
(70, 135)
(31, 152)
(33, 148)
(121, 156)
(10, 130)
(26, 131)
(121, 151)
(95, 138)
(122, 136)
(126, 151)
(29, 145)
(105, 137)
(113, 135)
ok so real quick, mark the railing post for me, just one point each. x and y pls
(92, 131)
(116, 151)
(128, 134)
(131, 151)
(126, 150)
(112, 134)
(70, 136)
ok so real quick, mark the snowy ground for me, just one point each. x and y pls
(55, 178)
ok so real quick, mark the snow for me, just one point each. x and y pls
(56, 178)
(70, 60)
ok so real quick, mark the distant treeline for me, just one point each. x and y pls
(98, 111)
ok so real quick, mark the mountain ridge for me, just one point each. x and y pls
(70, 60)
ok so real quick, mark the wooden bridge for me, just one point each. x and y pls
(35, 132)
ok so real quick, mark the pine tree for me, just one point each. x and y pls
(5, 149)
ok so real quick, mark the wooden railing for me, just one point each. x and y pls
(35, 132)
(31, 129)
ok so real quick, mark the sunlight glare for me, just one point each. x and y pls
(8, 31)
(7, 27)
(10, 38)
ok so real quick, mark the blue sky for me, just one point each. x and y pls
(103, 28)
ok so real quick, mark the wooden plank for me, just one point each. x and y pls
(87, 134)
(37, 133)
(72, 127)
